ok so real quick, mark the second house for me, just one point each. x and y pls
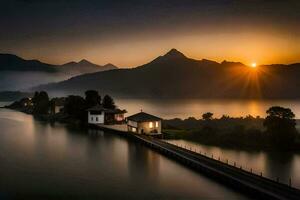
(100, 115)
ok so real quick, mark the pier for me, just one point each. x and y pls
(254, 185)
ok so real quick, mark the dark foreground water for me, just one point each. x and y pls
(37, 158)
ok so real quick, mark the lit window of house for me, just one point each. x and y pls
(133, 129)
(151, 125)
(156, 124)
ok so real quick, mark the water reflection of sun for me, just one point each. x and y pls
(254, 109)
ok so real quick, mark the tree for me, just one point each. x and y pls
(207, 116)
(40, 103)
(225, 117)
(108, 102)
(281, 126)
(92, 98)
(35, 97)
(75, 106)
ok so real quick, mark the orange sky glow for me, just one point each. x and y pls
(263, 48)
(131, 34)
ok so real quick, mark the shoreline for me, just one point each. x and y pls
(78, 124)
(220, 137)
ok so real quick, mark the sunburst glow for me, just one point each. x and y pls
(254, 65)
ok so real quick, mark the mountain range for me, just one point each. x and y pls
(18, 73)
(84, 66)
(9, 62)
(174, 75)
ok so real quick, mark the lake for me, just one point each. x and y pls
(59, 160)
(195, 108)
(38, 158)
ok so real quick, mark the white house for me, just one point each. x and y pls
(100, 115)
(144, 123)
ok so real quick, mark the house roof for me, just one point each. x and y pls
(96, 108)
(115, 111)
(143, 117)
(106, 110)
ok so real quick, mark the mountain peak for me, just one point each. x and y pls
(84, 61)
(174, 53)
(109, 65)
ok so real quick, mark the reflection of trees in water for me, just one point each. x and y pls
(279, 164)
(143, 163)
(96, 141)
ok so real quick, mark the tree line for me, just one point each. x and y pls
(277, 130)
(75, 106)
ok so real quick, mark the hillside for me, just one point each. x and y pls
(19, 74)
(9, 62)
(173, 75)
(7, 96)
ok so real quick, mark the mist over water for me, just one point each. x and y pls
(11, 80)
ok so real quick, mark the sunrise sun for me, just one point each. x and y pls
(253, 65)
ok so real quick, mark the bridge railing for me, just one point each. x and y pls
(234, 164)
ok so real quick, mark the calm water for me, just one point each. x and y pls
(42, 159)
(272, 164)
(195, 107)
(39, 158)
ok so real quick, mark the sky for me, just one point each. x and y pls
(133, 32)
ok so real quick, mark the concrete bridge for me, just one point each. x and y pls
(254, 185)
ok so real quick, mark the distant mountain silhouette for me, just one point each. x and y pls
(84, 66)
(9, 62)
(18, 73)
(173, 75)
(7, 96)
